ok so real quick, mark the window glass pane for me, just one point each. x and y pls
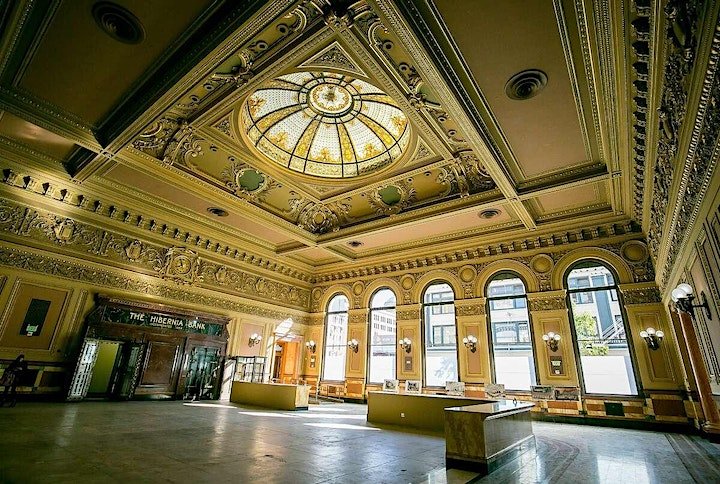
(338, 303)
(510, 330)
(440, 335)
(383, 336)
(336, 340)
(606, 366)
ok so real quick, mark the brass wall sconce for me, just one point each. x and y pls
(354, 345)
(311, 346)
(470, 342)
(552, 340)
(683, 297)
(405, 344)
(652, 338)
(254, 339)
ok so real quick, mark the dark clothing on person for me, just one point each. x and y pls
(11, 378)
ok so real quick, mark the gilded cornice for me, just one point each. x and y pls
(183, 265)
(158, 229)
(553, 242)
(96, 275)
(699, 164)
(547, 301)
(470, 307)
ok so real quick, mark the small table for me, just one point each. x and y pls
(279, 396)
(486, 436)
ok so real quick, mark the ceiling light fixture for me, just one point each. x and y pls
(118, 22)
(489, 213)
(526, 84)
(217, 211)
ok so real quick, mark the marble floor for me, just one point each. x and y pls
(219, 442)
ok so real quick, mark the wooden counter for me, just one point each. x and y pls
(413, 410)
(484, 437)
(271, 395)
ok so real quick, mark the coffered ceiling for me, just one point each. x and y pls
(324, 132)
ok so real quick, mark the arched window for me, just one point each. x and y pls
(383, 336)
(510, 333)
(440, 334)
(336, 330)
(600, 331)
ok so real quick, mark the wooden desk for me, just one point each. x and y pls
(279, 396)
(484, 437)
(412, 410)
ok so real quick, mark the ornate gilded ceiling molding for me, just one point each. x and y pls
(401, 196)
(179, 264)
(641, 52)
(642, 267)
(127, 216)
(333, 56)
(98, 277)
(551, 303)
(466, 175)
(171, 141)
(255, 189)
(700, 163)
(318, 218)
(682, 18)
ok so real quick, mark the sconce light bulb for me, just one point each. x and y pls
(660, 334)
(546, 337)
(466, 341)
(686, 288)
(677, 294)
(556, 337)
(650, 330)
(551, 334)
(643, 334)
(400, 342)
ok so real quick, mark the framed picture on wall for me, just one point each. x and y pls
(413, 386)
(391, 386)
(33, 316)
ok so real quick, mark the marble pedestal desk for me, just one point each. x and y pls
(271, 395)
(418, 411)
(483, 437)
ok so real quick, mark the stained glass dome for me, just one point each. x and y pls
(325, 124)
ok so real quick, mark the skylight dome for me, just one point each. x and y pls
(325, 124)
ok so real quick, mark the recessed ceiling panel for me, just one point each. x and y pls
(34, 136)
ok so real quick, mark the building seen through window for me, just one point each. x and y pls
(510, 333)
(336, 331)
(440, 333)
(383, 336)
(600, 332)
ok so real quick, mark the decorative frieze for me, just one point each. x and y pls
(469, 309)
(408, 314)
(66, 269)
(179, 264)
(643, 295)
(117, 213)
(547, 303)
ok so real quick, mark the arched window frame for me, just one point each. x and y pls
(628, 334)
(509, 274)
(370, 332)
(424, 322)
(343, 344)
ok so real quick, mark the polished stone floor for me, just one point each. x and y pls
(217, 442)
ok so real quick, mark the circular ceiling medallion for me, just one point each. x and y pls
(326, 125)
(489, 213)
(118, 22)
(526, 84)
(217, 211)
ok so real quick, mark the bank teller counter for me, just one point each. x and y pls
(277, 396)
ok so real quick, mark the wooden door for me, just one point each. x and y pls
(290, 362)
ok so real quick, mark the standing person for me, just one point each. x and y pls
(10, 379)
